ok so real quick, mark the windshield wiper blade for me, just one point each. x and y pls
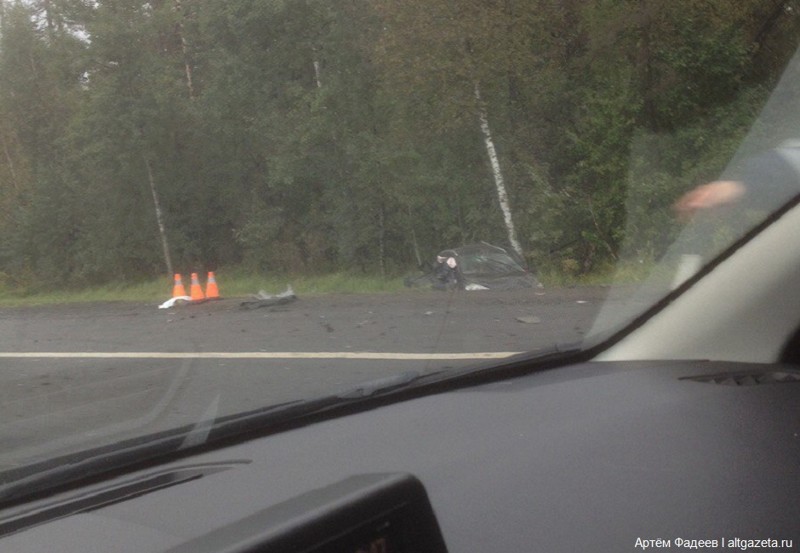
(18, 485)
(385, 384)
(22, 484)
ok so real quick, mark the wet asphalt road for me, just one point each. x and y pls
(61, 393)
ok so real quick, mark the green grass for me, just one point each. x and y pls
(145, 291)
(239, 283)
(245, 284)
(231, 284)
(624, 273)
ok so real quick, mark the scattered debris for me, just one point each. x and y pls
(177, 300)
(474, 287)
(263, 299)
(530, 320)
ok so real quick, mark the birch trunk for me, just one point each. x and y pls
(185, 49)
(159, 217)
(414, 243)
(318, 73)
(502, 195)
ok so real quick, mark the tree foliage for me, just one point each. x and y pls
(312, 135)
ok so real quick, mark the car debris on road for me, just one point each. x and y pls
(263, 299)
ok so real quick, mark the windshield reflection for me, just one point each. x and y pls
(373, 189)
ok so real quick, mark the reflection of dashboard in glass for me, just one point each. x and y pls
(372, 513)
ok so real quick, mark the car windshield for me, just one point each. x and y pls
(212, 208)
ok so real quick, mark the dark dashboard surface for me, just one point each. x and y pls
(587, 457)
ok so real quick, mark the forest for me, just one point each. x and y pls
(138, 139)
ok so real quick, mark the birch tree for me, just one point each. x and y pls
(499, 182)
(457, 53)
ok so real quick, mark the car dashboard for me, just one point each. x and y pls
(595, 456)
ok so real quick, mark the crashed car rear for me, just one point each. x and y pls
(478, 266)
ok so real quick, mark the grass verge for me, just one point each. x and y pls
(240, 283)
(231, 284)
(622, 273)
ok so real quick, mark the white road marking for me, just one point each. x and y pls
(257, 355)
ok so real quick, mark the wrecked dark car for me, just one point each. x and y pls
(478, 266)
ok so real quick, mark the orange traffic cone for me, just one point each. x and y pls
(197, 292)
(212, 292)
(177, 288)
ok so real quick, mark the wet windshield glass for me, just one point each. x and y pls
(213, 207)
